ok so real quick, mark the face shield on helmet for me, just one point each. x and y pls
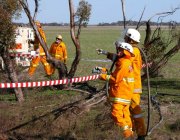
(132, 34)
(126, 47)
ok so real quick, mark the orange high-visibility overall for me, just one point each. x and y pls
(135, 109)
(59, 52)
(121, 83)
(42, 56)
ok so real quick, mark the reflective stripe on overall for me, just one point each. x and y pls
(57, 56)
(120, 100)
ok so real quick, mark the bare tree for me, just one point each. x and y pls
(9, 8)
(82, 14)
(155, 49)
(138, 25)
(58, 64)
(123, 11)
(156, 44)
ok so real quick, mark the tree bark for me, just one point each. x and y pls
(75, 41)
(12, 74)
(148, 34)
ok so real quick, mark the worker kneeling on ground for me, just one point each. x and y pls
(121, 82)
(39, 50)
(58, 51)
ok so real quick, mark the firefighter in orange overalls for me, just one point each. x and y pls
(132, 36)
(121, 83)
(58, 51)
(42, 56)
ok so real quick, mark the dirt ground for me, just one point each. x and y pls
(48, 118)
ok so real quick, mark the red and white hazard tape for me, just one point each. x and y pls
(27, 55)
(49, 83)
(53, 82)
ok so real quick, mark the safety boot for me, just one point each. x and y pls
(128, 134)
(141, 138)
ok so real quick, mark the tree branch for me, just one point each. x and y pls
(75, 41)
(44, 45)
(123, 11)
(164, 14)
(36, 9)
(58, 64)
(138, 25)
(148, 33)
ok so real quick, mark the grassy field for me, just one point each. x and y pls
(37, 118)
(104, 37)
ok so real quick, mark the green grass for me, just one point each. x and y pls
(41, 101)
(102, 37)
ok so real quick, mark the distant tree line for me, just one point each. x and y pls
(134, 23)
(118, 23)
(44, 24)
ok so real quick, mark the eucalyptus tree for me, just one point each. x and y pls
(9, 9)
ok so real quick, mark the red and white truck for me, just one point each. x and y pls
(22, 45)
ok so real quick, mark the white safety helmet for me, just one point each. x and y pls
(59, 37)
(125, 46)
(133, 34)
(37, 23)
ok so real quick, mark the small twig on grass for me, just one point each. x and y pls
(79, 90)
(41, 106)
(97, 102)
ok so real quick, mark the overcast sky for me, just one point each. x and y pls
(105, 10)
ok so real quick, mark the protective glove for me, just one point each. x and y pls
(99, 70)
(96, 70)
(101, 51)
(104, 77)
